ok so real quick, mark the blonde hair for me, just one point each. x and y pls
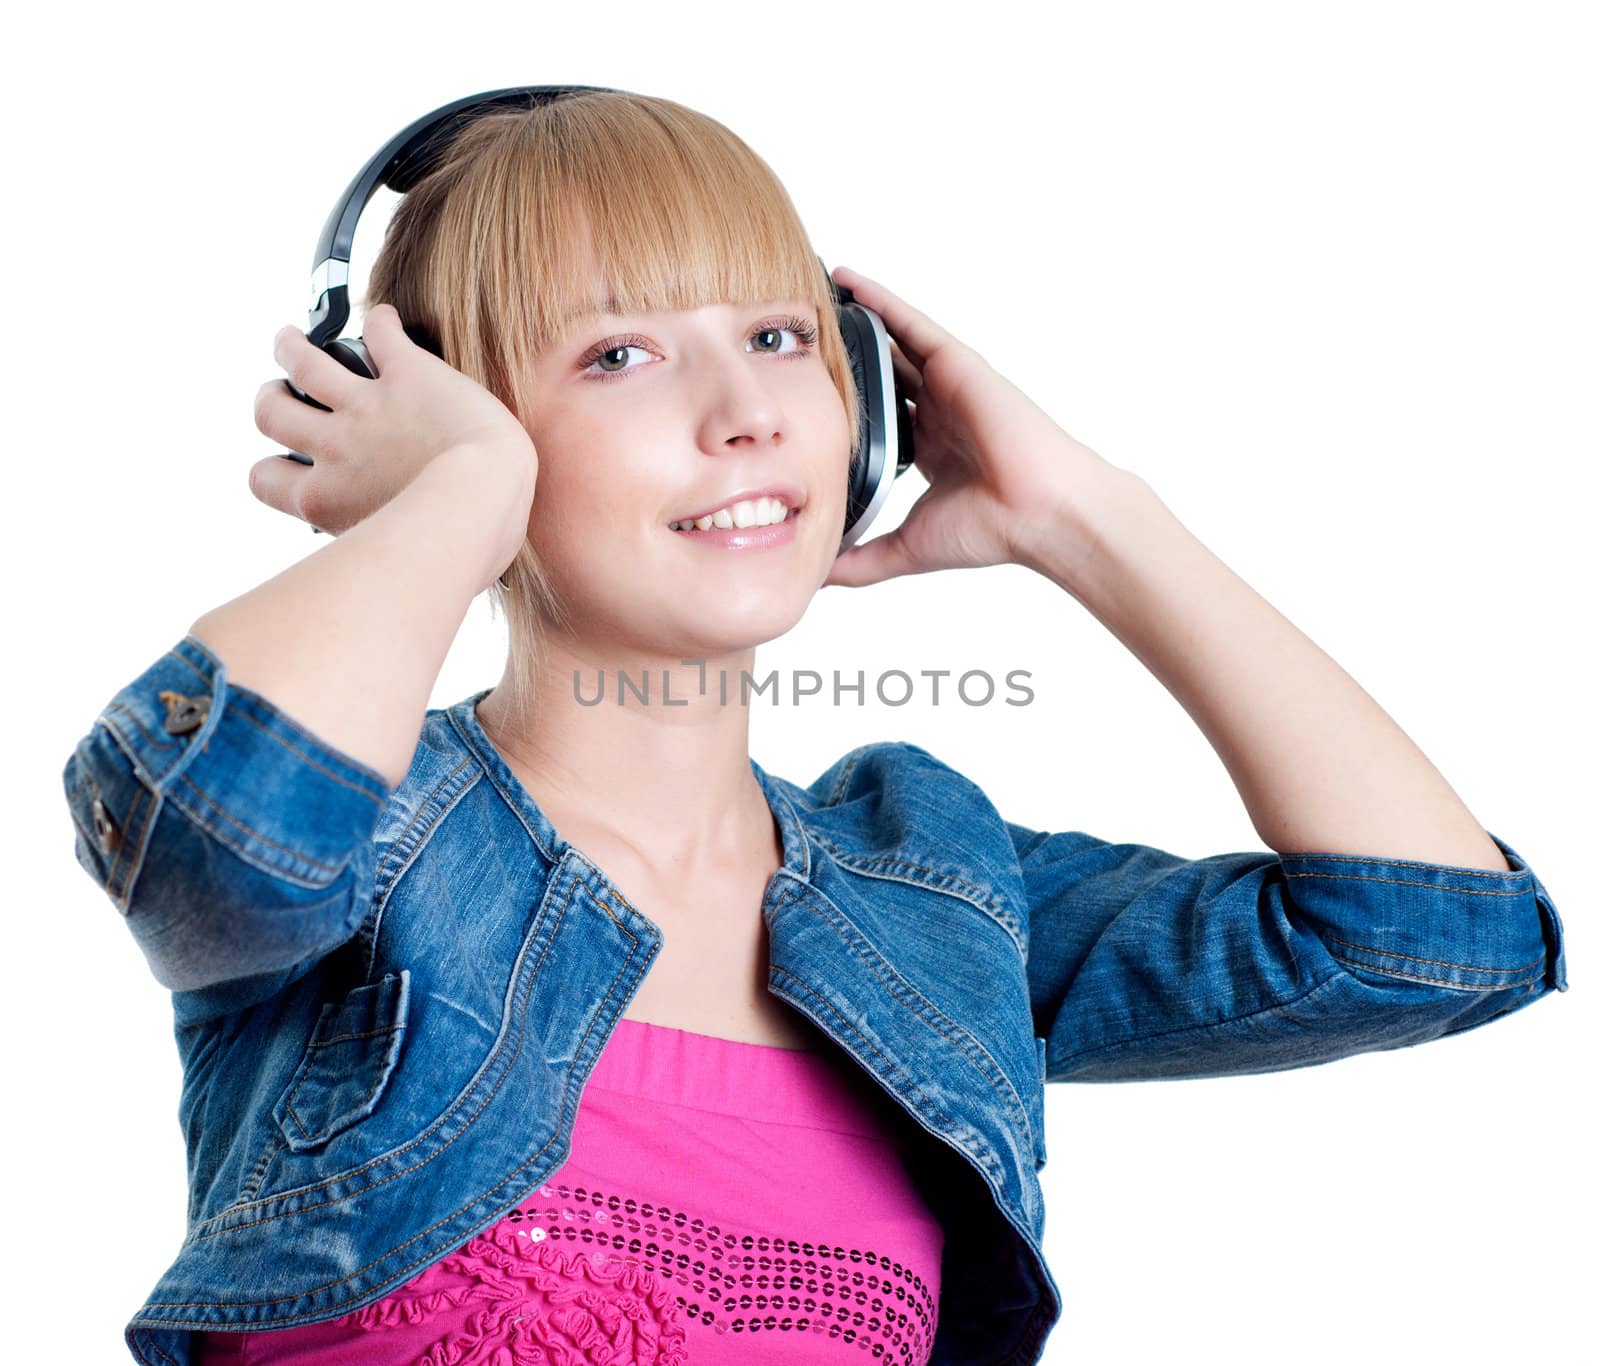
(487, 258)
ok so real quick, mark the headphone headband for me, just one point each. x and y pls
(398, 165)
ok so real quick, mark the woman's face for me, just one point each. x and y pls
(646, 419)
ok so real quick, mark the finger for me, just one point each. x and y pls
(909, 376)
(883, 557)
(312, 369)
(285, 419)
(383, 334)
(919, 336)
(280, 484)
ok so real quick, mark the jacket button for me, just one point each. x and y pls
(185, 714)
(105, 829)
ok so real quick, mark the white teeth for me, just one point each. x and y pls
(746, 513)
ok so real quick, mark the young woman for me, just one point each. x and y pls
(528, 1029)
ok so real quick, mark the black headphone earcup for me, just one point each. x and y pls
(352, 353)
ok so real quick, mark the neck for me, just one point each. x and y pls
(643, 752)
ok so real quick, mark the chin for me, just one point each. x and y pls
(726, 627)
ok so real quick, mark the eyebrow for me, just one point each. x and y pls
(601, 308)
(607, 307)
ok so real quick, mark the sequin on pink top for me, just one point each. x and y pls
(723, 1202)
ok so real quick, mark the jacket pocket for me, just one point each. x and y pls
(346, 1064)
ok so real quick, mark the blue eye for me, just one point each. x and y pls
(805, 334)
(616, 348)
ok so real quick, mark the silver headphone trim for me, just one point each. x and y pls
(329, 274)
(880, 467)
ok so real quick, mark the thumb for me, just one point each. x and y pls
(883, 557)
(383, 334)
(388, 338)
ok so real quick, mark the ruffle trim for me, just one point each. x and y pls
(535, 1303)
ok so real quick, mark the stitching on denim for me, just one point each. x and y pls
(112, 885)
(844, 1025)
(141, 840)
(310, 737)
(440, 801)
(843, 780)
(978, 896)
(341, 1177)
(193, 1304)
(1435, 981)
(86, 781)
(310, 759)
(288, 1109)
(638, 972)
(403, 1272)
(932, 1017)
(263, 1164)
(256, 1304)
(1434, 962)
(805, 848)
(304, 1075)
(164, 1357)
(192, 667)
(826, 1008)
(494, 779)
(365, 1034)
(987, 906)
(384, 881)
(332, 869)
(1402, 863)
(141, 793)
(805, 842)
(967, 889)
(1199, 1028)
(459, 1102)
(138, 725)
(1411, 882)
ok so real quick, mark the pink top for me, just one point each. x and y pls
(717, 1192)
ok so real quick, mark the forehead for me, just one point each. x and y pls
(613, 272)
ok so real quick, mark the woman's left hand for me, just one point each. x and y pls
(1001, 474)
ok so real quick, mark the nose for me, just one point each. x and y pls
(742, 406)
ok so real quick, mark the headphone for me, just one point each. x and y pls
(883, 420)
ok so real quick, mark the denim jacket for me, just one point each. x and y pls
(387, 1002)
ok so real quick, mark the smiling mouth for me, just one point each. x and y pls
(742, 537)
(724, 520)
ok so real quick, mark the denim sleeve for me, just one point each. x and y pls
(1143, 965)
(236, 844)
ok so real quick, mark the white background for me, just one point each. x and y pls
(1325, 275)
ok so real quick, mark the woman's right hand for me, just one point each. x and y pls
(381, 432)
